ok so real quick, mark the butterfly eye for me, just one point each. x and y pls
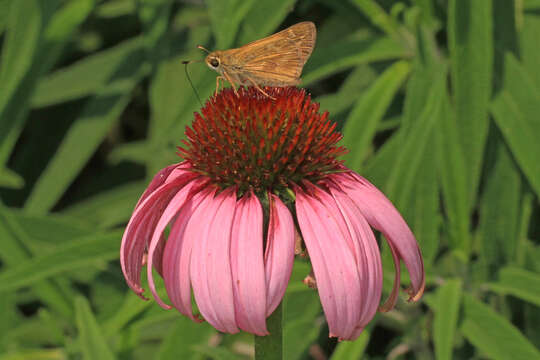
(214, 62)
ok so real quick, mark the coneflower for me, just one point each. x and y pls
(258, 174)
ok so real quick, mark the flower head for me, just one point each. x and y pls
(256, 172)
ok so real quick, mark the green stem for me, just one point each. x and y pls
(270, 347)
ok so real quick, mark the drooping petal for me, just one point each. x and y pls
(163, 176)
(365, 294)
(139, 229)
(325, 235)
(177, 256)
(383, 216)
(279, 254)
(247, 265)
(210, 267)
(172, 209)
(392, 298)
(367, 255)
(180, 170)
(158, 255)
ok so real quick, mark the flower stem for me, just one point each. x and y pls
(270, 347)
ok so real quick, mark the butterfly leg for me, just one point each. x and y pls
(228, 78)
(217, 83)
(258, 88)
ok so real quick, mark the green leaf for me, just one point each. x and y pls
(263, 18)
(412, 143)
(93, 344)
(21, 42)
(518, 282)
(531, 4)
(524, 247)
(20, 45)
(10, 179)
(515, 109)
(108, 208)
(85, 135)
(530, 53)
(359, 79)
(56, 32)
(422, 210)
(343, 54)
(179, 341)
(136, 151)
(88, 251)
(215, 353)
(172, 99)
(225, 18)
(154, 16)
(424, 74)
(67, 19)
(116, 8)
(38, 229)
(379, 167)
(352, 349)
(378, 16)
(13, 252)
(446, 316)
(502, 190)
(171, 95)
(365, 116)
(28, 354)
(132, 307)
(53, 326)
(271, 347)
(85, 77)
(301, 307)
(452, 173)
(4, 14)
(426, 68)
(493, 335)
(470, 32)
(8, 317)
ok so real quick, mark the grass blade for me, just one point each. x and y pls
(365, 116)
(84, 252)
(93, 343)
(493, 335)
(470, 32)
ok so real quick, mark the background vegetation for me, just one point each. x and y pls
(439, 103)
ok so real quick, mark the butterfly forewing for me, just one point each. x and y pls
(276, 60)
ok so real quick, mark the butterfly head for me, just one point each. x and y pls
(212, 59)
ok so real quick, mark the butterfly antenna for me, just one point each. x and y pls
(203, 48)
(186, 63)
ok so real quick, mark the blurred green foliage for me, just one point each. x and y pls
(439, 104)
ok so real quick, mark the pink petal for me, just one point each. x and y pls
(177, 256)
(327, 240)
(181, 169)
(392, 298)
(140, 227)
(172, 209)
(158, 255)
(383, 216)
(162, 176)
(210, 268)
(279, 255)
(366, 253)
(247, 266)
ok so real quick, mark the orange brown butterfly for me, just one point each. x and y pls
(276, 60)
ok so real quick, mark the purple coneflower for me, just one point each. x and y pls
(260, 180)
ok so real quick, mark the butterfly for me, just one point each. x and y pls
(276, 60)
